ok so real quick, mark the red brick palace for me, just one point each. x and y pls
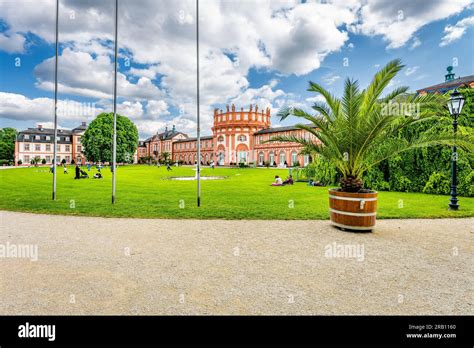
(237, 137)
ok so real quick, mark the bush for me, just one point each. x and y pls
(466, 185)
(73, 162)
(43, 161)
(321, 170)
(438, 183)
(5, 162)
(20, 162)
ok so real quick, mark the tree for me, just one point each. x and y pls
(98, 138)
(165, 157)
(7, 144)
(360, 130)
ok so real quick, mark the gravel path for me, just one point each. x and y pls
(90, 265)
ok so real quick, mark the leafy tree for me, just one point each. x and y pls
(97, 140)
(165, 157)
(7, 144)
(359, 131)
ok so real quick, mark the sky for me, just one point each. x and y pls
(256, 52)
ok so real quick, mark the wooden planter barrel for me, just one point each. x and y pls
(353, 211)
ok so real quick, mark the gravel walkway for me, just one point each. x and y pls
(92, 265)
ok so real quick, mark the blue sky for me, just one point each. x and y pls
(257, 52)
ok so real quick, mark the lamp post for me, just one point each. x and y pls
(455, 104)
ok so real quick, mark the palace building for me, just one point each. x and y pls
(39, 142)
(238, 136)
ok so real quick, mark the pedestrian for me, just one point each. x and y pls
(65, 169)
(78, 172)
(88, 166)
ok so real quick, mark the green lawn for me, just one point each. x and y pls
(144, 191)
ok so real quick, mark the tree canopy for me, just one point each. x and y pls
(98, 138)
(7, 144)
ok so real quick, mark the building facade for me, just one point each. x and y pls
(37, 143)
(237, 137)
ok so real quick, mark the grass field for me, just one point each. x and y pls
(144, 191)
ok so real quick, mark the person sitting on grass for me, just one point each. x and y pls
(97, 176)
(84, 174)
(288, 181)
(278, 181)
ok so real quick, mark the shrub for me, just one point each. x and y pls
(321, 170)
(43, 161)
(466, 185)
(63, 161)
(438, 183)
(20, 162)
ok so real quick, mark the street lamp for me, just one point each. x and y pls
(455, 104)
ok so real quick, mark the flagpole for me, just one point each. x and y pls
(114, 149)
(55, 137)
(198, 111)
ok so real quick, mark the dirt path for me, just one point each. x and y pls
(127, 266)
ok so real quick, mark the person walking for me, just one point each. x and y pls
(65, 169)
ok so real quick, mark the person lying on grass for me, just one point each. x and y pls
(288, 181)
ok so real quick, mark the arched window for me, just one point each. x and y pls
(306, 160)
(271, 157)
(282, 158)
(220, 139)
(242, 138)
(294, 158)
(261, 159)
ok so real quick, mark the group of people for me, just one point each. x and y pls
(279, 182)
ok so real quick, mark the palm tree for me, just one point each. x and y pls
(361, 129)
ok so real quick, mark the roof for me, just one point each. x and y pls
(280, 129)
(445, 86)
(166, 135)
(47, 131)
(207, 137)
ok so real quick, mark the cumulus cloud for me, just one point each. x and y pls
(455, 32)
(398, 21)
(12, 42)
(94, 80)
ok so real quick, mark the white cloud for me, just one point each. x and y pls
(455, 32)
(398, 21)
(411, 70)
(12, 42)
(415, 43)
(316, 99)
(94, 80)
(330, 79)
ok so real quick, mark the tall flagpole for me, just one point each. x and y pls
(114, 149)
(198, 112)
(55, 137)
